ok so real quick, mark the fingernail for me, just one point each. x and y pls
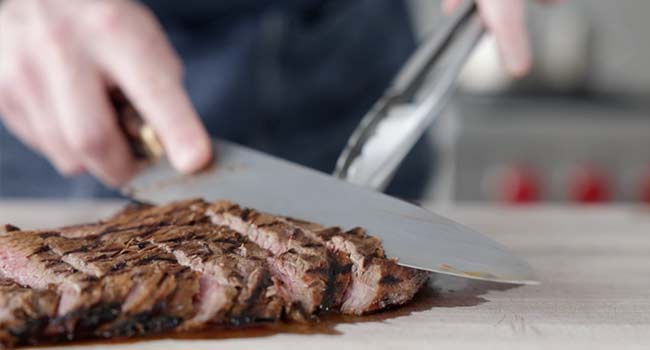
(68, 169)
(517, 59)
(192, 157)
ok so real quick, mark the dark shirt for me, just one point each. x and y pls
(289, 77)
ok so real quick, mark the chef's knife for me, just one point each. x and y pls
(417, 237)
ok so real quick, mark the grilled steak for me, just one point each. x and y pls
(377, 282)
(107, 286)
(24, 312)
(236, 267)
(142, 215)
(188, 265)
(310, 274)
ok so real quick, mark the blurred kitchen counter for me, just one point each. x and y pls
(594, 263)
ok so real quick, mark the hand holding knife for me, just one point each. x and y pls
(418, 238)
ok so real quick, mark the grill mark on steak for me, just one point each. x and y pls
(88, 286)
(24, 312)
(24, 259)
(142, 216)
(310, 275)
(377, 282)
(236, 265)
(154, 283)
(150, 269)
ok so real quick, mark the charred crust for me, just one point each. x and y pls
(245, 214)
(9, 228)
(390, 280)
(247, 316)
(154, 258)
(312, 245)
(345, 268)
(226, 240)
(118, 266)
(40, 250)
(80, 323)
(142, 324)
(23, 335)
(48, 234)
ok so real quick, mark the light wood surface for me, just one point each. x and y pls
(594, 264)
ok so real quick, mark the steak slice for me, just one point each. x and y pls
(130, 288)
(377, 282)
(160, 292)
(24, 312)
(310, 275)
(141, 215)
(185, 265)
(186, 212)
(224, 277)
(235, 265)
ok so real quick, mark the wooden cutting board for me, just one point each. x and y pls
(594, 264)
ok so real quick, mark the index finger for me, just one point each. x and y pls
(140, 60)
(505, 19)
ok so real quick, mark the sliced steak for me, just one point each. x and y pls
(377, 282)
(140, 215)
(311, 276)
(187, 212)
(160, 292)
(107, 288)
(24, 312)
(28, 260)
(184, 265)
(226, 279)
(245, 291)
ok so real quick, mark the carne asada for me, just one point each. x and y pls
(188, 265)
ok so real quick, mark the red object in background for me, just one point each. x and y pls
(518, 185)
(589, 185)
(645, 188)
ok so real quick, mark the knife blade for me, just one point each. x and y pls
(417, 237)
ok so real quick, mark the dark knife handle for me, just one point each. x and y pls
(142, 139)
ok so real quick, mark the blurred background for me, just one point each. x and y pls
(576, 130)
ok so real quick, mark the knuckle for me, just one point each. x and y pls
(108, 15)
(56, 35)
(114, 16)
(9, 107)
(69, 169)
(90, 144)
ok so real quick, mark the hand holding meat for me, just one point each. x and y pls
(58, 59)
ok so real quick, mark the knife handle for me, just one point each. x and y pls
(141, 137)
